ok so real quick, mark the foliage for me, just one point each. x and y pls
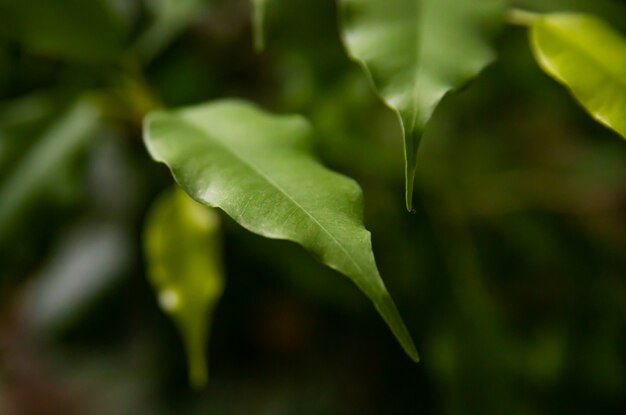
(74, 29)
(59, 143)
(256, 168)
(415, 51)
(509, 275)
(588, 56)
(182, 250)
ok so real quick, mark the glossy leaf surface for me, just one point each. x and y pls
(588, 56)
(259, 169)
(415, 51)
(182, 249)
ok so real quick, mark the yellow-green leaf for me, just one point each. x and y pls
(588, 56)
(182, 249)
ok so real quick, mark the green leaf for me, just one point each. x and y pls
(259, 169)
(258, 24)
(416, 51)
(586, 55)
(183, 255)
(82, 30)
(86, 260)
(57, 145)
(169, 19)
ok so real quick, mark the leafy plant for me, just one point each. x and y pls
(74, 29)
(416, 51)
(262, 169)
(588, 56)
(182, 247)
(258, 169)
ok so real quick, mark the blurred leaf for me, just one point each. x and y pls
(82, 30)
(258, 169)
(62, 140)
(588, 56)
(127, 10)
(182, 250)
(415, 51)
(258, 23)
(87, 261)
(610, 10)
(170, 18)
(25, 111)
(21, 121)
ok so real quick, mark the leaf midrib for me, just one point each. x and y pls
(418, 58)
(272, 183)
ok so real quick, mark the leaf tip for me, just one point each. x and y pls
(198, 377)
(408, 192)
(409, 347)
(389, 312)
(409, 200)
(412, 139)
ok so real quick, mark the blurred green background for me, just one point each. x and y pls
(511, 274)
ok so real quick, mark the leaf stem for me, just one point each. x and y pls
(520, 17)
(258, 24)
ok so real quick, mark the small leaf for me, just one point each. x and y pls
(259, 169)
(587, 56)
(87, 260)
(416, 51)
(259, 10)
(81, 30)
(258, 24)
(62, 141)
(169, 19)
(184, 265)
